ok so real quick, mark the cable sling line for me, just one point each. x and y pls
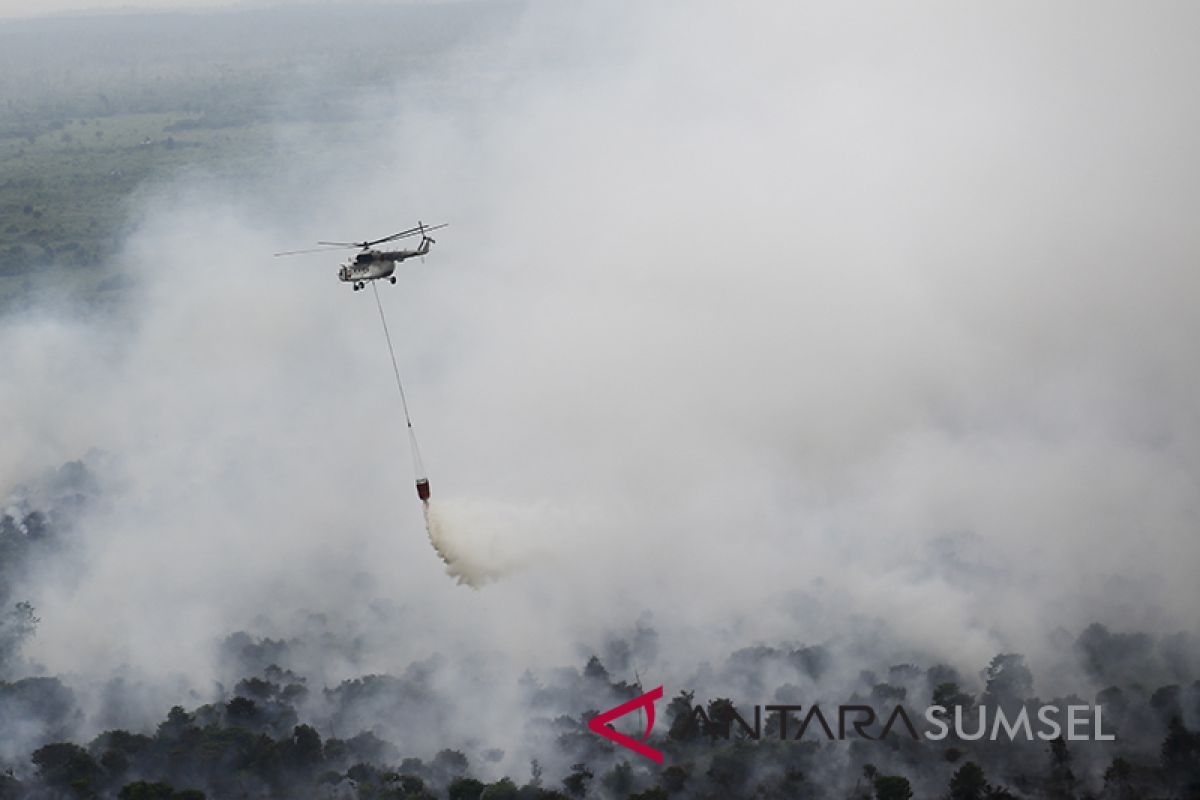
(418, 466)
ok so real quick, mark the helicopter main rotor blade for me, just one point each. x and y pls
(310, 250)
(393, 237)
(420, 229)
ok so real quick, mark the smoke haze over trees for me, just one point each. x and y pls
(775, 354)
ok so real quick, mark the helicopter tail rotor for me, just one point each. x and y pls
(426, 239)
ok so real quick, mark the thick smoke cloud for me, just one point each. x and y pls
(805, 324)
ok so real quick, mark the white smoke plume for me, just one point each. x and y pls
(801, 320)
(482, 542)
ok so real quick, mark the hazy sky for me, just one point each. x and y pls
(23, 8)
(26, 8)
(765, 318)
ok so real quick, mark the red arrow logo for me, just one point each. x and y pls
(599, 724)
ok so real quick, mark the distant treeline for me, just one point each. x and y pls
(254, 744)
(258, 61)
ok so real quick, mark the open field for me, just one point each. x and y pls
(65, 194)
(92, 108)
(61, 193)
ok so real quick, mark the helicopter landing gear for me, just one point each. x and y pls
(393, 280)
(358, 286)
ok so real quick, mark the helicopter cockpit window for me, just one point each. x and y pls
(362, 258)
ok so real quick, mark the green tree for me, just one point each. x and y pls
(674, 778)
(892, 787)
(17, 625)
(10, 787)
(680, 711)
(730, 769)
(465, 789)
(63, 765)
(303, 752)
(619, 780)
(144, 790)
(503, 789)
(1181, 755)
(720, 714)
(1118, 780)
(1008, 678)
(968, 783)
(411, 785)
(1000, 793)
(1062, 778)
(595, 671)
(653, 793)
(175, 725)
(577, 782)
(949, 696)
(449, 763)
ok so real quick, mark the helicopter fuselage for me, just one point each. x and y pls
(371, 265)
(371, 269)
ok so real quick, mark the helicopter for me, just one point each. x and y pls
(370, 264)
